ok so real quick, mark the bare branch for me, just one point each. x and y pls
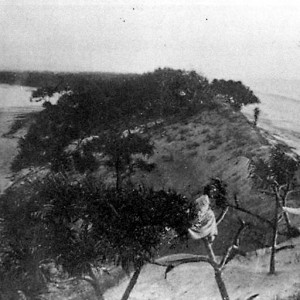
(290, 192)
(237, 202)
(221, 216)
(229, 255)
(87, 279)
(179, 261)
(267, 192)
(284, 247)
(262, 219)
(171, 264)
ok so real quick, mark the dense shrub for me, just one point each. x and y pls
(88, 107)
(82, 224)
(235, 92)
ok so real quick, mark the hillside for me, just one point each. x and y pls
(218, 143)
(213, 143)
(196, 135)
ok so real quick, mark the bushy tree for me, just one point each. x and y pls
(87, 107)
(218, 194)
(276, 177)
(121, 149)
(20, 251)
(82, 226)
(235, 92)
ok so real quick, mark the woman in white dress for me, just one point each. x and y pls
(204, 226)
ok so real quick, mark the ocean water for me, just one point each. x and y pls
(15, 96)
(280, 110)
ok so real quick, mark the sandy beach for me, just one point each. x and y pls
(8, 144)
(14, 101)
(279, 117)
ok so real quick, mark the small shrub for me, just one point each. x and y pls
(238, 152)
(211, 158)
(212, 147)
(205, 130)
(192, 145)
(168, 157)
(169, 138)
(208, 138)
(184, 130)
(193, 153)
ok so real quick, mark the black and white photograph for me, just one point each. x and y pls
(149, 150)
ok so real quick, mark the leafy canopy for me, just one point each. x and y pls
(79, 224)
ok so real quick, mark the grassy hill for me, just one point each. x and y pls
(218, 143)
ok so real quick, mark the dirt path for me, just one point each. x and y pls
(244, 277)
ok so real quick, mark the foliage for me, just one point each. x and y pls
(275, 176)
(121, 151)
(236, 93)
(89, 106)
(278, 170)
(219, 192)
(83, 225)
(20, 251)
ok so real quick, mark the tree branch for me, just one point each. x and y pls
(229, 255)
(221, 216)
(179, 261)
(171, 264)
(284, 247)
(262, 219)
(87, 279)
(266, 192)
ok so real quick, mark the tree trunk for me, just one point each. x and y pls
(274, 237)
(132, 283)
(218, 272)
(221, 285)
(95, 284)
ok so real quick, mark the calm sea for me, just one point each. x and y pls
(280, 109)
(15, 96)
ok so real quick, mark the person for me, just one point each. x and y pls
(204, 226)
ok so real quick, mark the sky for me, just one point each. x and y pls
(219, 39)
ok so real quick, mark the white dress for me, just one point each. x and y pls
(205, 223)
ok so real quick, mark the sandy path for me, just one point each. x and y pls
(244, 277)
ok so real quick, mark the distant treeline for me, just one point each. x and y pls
(92, 104)
(40, 79)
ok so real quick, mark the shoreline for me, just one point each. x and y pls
(276, 134)
(9, 143)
